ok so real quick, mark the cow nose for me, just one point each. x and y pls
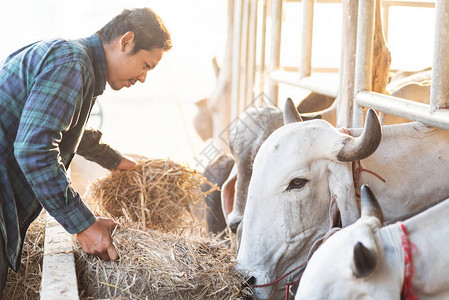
(250, 281)
(233, 227)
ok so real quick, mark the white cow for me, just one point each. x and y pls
(254, 125)
(252, 128)
(302, 182)
(365, 261)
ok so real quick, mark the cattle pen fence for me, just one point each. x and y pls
(256, 67)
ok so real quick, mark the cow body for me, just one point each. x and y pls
(300, 187)
(328, 278)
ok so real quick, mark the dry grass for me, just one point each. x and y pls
(162, 195)
(160, 265)
(26, 283)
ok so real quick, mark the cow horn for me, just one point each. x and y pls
(370, 205)
(291, 114)
(364, 262)
(363, 146)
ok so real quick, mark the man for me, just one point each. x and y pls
(47, 90)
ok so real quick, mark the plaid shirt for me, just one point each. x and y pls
(47, 90)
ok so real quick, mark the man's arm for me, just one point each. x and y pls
(91, 148)
(53, 103)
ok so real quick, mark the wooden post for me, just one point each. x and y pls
(381, 54)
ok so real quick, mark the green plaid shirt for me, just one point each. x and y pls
(47, 90)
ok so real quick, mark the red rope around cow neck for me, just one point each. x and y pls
(287, 287)
(408, 246)
(357, 170)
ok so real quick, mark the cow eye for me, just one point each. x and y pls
(296, 183)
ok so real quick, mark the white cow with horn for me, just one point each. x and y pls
(405, 260)
(303, 185)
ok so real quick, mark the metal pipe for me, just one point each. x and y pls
(305, 65)
(243, 101)
(311, 83)
(347, 64)
(236, 45)
(275, 48)
(364, 57)
(262, 52)
(404, 108)
(252, 38)
(439, 91)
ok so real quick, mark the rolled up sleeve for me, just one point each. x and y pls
(91, 148)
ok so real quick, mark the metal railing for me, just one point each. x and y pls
(352, 83)
(436, 114)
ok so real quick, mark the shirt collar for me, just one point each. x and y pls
(98, 62)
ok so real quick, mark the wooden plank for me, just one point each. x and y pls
(59, 280)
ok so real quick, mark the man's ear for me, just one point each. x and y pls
(127, 41)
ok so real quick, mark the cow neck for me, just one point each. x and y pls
(407, 246)
(357, 169)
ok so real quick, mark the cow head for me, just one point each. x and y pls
(252, 128)
(358, 271)
(300, 175)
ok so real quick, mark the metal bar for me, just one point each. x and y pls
(423, 4)
(262, 52)
(244, 57)
(315, 84)
(347, 64)
(439, 91)
(409, 3)
(236, 44)
(275, 47)
(404, 108)
(252, 38)
(364, 57)
(314, 69)
(305, 65)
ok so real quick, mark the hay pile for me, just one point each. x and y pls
(157, 265)
(26, 283)
(161, 255)
(162, 195)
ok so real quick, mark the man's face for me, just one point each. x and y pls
(125, 69)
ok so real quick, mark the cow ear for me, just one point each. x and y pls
(291, 114)
(364, 262)
(369, 205)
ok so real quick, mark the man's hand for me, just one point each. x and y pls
(96, 239)
(127, 163)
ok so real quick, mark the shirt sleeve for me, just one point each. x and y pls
(53, 107)
(91, 148)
